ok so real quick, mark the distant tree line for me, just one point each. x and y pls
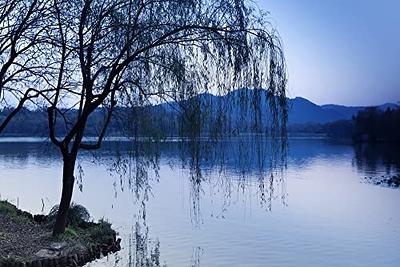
(140, 121)
(341, 129)
(374, 125)
(370, 125)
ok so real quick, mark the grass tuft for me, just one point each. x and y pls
(8, 208)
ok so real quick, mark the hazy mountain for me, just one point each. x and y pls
(349, 111)
(304, 111)
(301, 110)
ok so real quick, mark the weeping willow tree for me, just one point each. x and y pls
(136, 53)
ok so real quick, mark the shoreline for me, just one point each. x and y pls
(26, 240)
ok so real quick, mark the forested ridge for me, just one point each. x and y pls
(371, 124)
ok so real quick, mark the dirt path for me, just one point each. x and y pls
(21, 239)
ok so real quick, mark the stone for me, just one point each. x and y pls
(58, 245)
(47, 253)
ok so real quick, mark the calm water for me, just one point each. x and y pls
(228, 206)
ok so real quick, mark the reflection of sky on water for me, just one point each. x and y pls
(320, 213)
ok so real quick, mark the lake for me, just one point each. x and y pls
(232, 204)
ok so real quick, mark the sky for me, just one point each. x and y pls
(340, 51)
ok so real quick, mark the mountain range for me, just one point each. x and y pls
(234, 109)
(302, 111)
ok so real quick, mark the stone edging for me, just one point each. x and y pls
(73, 260)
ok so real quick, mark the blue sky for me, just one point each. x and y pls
(340, 51)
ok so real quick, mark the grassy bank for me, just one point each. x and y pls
(27, 238)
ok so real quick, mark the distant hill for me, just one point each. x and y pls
(236, 110)
(301, 110)
(304, 111)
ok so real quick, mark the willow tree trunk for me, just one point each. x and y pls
(66, 195)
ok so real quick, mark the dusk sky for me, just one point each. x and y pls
(340, 51)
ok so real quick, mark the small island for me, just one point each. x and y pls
(27, 240)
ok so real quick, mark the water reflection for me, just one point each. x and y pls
(221, 179)
(17, 154)
(142, 251)
(196, 256)
(230, 166)
(377, 158)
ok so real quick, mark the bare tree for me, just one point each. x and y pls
(139, 52)
(22, 63)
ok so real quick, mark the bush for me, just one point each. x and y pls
(102, 232)
(93, 233)
(77, 215)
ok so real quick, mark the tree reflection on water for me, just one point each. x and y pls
(227, 166)
(369, 158)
